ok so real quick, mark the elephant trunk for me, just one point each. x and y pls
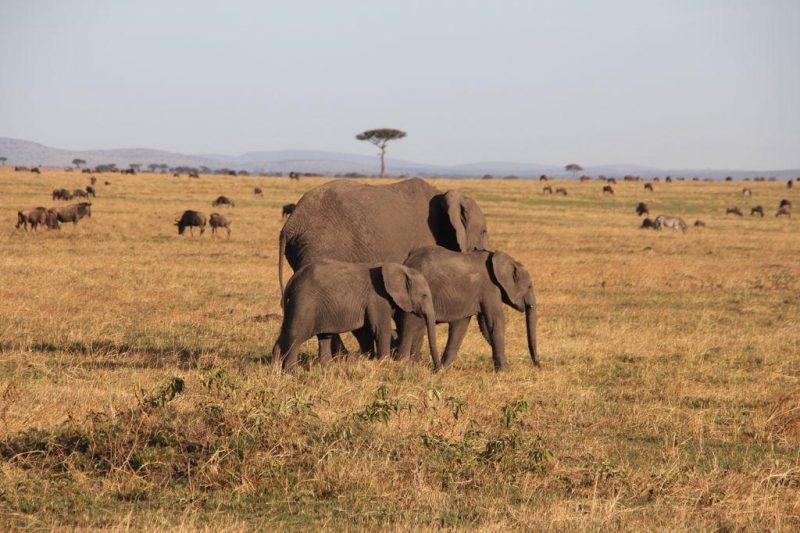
(530, 321)
(430, 319)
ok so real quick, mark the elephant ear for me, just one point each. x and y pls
(507, 274)
(397, 283)
(456, 212)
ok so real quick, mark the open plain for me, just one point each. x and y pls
(132, 392)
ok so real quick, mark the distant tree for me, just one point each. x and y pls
(205, 170)
(78, 162)
(574, 168)
(487, 177)
(3, 160)
(153, 166)
(380, 138)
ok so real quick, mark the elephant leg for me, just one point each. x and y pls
(366, 342)
(337, 346)
(381, 326)
(495, 333)
(324, 349)
(412, 330)
(455, 336)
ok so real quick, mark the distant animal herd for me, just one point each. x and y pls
(368, 256)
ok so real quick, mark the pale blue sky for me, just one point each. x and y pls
(672, 83)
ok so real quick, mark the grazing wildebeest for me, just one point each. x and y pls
(668, 179)
(585, 178)
(86, 171)
(699, 224)
(222, 200)
(61, 194)
(543, 178)
(73, 213)
(93, 180)
(547, 190)
(21, 169)
(288, 209)
(608, 189)
(666, 221)
(258, 192)
(789, 184)
(642, 209)
(785, 203)
(108, 183)
(757, 210)
(729, 178)
(648, 187)
(562, 191)
(194, 175)
(218, 221)
(612, 180)
(648, 223)
(90, 191)
(747, 192)
(37, 216)
(784, 211)
(35, 170)
(130, 171)
(80, 193)
(176, 175)
(191, 219)
(734, 211)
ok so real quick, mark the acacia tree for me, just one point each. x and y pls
(574, 168)
(380, 138)
(78, 162)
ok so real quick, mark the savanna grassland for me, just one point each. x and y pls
(132, 392)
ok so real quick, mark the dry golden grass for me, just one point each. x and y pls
(669, 396)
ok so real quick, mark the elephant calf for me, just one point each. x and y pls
(329, 297)
(219, 221)
(466, 285)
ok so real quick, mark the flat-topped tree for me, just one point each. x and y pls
(78, 162)
(380, 138)
(574, 168)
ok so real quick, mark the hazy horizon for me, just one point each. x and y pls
(666, 84)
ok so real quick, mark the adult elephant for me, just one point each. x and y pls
(354, 222)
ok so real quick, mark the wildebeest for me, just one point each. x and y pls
(729, 178)
(258, 192)
(294, 175)
(785, 203)
(612, 180)
(222, 200)
(608, 189)
(93, 180)
(35, 170)
(734, 211)
(585, 178)
(90, 191)
(61, 194)
(747, 192)
(547, 190)
(699, 224)
(648, 187)
(642, 209)
(37, 216)
(191, 219)
(218, 221)
(194, 175)
(789, 184)
(562, 191)
(21, 169)
(130, 171)
(543, 177)
(784, 211)
(648, 223)
(288, 209)
(107, 183)
(757, 210)
(73, 213)
(666, 221)
(80, 193)
(668, 179)
(86, 171)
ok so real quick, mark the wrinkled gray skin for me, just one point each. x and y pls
(191, 219)
(222, 200)
(73, 213)
(38, 216)
(466, 285)
(329, 297)
(219, 221)
(350, 221)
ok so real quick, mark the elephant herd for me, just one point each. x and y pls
(366, 255)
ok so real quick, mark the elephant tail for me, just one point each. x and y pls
(281, 251)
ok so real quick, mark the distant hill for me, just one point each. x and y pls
(27, 153)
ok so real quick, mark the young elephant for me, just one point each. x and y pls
(329, 297)
(469, 284)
